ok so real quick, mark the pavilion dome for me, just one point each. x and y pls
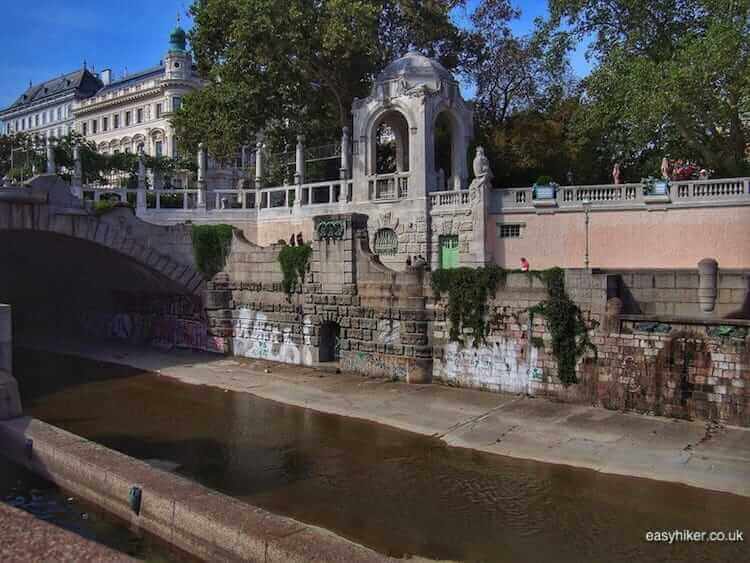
(416, 69)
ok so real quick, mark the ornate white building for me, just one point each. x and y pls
(45, 110)
(134, 111)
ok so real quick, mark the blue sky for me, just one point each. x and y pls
(45, 38)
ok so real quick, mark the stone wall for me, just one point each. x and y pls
(10, 401)
(379, 315)
(686, 368)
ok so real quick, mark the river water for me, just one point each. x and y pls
(22, 489)
(394, 491)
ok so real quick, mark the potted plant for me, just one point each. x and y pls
(544, 188)
(653, 186)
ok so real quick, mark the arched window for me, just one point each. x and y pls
(391, 144)
(443, 152)
(386, 242)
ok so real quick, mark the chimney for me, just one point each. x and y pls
(106, 76)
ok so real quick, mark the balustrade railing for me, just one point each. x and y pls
(389, 187)
(451, 198)
(613, 195)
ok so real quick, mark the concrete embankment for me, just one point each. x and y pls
(27, 539)
(203, 522)
(692, 453)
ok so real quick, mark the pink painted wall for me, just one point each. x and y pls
(677, 238)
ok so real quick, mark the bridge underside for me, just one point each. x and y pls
(57, 284)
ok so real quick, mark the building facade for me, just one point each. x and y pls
(45, 110)
(133, 112)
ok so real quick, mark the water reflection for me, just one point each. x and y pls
(394, 491)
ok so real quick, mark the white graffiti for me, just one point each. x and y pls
(256, 337)
(498, 365)
(389, 332)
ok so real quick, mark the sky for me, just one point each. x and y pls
(45, 38)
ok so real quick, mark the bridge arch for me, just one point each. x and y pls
(46, 206)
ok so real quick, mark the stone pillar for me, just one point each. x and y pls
(202, 165)
(76, 185)
(299, 170)
(10, 401)
(259, 162)
(707, 288)
(51, 168)
(140, 202)
(346, 162)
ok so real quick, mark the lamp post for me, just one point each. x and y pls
(586, 211)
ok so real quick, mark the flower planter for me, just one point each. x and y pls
(544, 191)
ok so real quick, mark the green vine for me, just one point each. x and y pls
(570, 337)
(467, 289)
(211, 247)
(293, 260)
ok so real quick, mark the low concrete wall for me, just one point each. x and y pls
(10, 401)
(203, 522)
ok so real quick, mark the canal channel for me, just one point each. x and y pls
(393, 491)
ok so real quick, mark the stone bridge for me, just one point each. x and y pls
(45, 210)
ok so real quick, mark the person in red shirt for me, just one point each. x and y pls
(524, 265)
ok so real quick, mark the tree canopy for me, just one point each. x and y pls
(672, 78)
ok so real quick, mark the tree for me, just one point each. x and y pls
(672, 78)
(520, 84)
(292, 66)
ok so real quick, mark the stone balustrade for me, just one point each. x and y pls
(720, 191)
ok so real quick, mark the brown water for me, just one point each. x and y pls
(22, 489)
(394, 491)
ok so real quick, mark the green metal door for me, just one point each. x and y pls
(449, 251)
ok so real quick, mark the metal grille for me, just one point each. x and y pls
(509, 231)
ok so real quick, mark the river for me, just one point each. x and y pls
(394, 491)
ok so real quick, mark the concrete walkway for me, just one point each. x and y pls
(692, 453)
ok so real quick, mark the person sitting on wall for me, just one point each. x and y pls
(291, 240)
(524, 265)
(300, 240)
(420, 262)
(408, 261)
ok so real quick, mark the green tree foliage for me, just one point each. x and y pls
(211, 246)
(291, 66)
(672, 79)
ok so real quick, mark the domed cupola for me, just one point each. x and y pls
(177, 62)
(416, 70)
(178, 39)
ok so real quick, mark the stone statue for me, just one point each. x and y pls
(666, 168)
(482, 166)
(616, 174)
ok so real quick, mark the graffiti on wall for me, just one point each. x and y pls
(388, 332)
(163, 332)
(256, 337)
(376, 364)
(498, 365)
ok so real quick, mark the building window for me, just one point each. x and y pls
(23, 123)
(44, 118)
(105, 123)
(386, 242)
(509, 230)
(7, 128)
(59, 132)
(94, 124)
(176, 103)
(17, 128)
(158, 148)
(116, 121)
(158, 111)
(139, 115)
(68, 110)
(84, 128)
(127, 118)
(36, 120)
(174, 148)
(59, 114)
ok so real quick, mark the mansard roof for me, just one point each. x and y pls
(81, 82)
(134, 78)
